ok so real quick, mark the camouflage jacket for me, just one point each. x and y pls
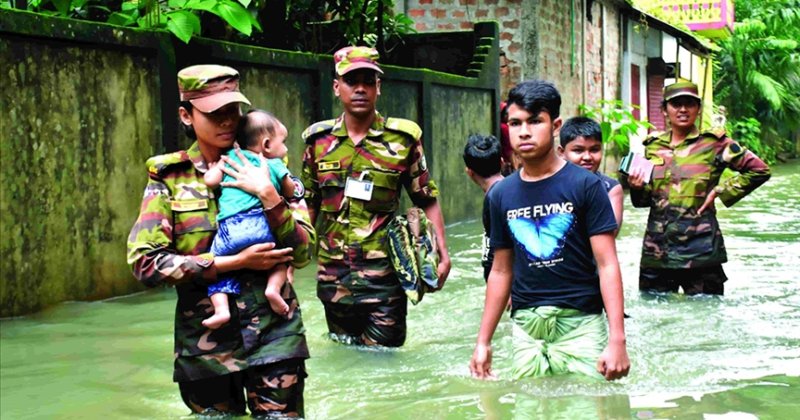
(352, 232)
(684, 175)
(169, 244)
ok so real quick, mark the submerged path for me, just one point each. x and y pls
(736, 355)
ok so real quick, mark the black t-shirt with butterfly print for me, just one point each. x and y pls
(548, 224)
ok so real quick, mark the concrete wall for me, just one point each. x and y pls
(73, 147)
(85, 105)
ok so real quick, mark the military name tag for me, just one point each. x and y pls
(188, 205)
(358, 189)
(328, 166)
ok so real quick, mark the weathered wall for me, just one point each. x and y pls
(85, 105)
(468, 111)
(602, 53)
(77, 124)
(547, 39)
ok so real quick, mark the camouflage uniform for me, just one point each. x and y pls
(676, 237)
(169, 244)
(354, 267)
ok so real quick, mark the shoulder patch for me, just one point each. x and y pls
(732, 152)
(157, 165)
(717, 132)
(404, 126)
(317, 128)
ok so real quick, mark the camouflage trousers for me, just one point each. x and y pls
(273, 390)
(364, 302)
(694, 281)
(369, 324)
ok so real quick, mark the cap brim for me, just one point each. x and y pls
(356, 66)
(216, 101)
(677, 95)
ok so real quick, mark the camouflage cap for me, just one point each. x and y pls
(209, 87)
(348, 59)
(682, 88)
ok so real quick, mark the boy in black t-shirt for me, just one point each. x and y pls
(552, 229)
(482, 160)
(582, 144)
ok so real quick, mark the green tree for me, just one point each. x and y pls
(758, 70)
(617, 125)
(307, 25)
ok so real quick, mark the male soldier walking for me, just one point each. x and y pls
(683, 244)
(353, 170)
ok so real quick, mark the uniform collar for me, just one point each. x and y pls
(690, 138)
(375, 130)
(196, 157)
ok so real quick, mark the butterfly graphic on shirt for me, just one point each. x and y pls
(542, 238)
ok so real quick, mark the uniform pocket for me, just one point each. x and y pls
(331, 187)
(193, 228)
(695, 237)
(696, 186)
(193, 221)
(384, 192)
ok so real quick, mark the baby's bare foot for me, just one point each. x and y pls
(277, 303)
(217, 320)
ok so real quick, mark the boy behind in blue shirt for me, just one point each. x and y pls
(483, 162)
(582, 144)
(550, 222)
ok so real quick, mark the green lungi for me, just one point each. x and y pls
(548, 341)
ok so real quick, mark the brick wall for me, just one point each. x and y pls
(535, 37)
(453, 15)
(557, 60)
(602, 54)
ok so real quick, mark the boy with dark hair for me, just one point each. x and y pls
(582, 144)
(483, 162)
(552, 230)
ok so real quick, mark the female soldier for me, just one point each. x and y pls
(683, 243)
(258, 350)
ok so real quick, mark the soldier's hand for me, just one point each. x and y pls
(443, 270)
(290, 274)
(264, 256)
(480, 366)
(251, 179)
(709, 203)
(636, 178)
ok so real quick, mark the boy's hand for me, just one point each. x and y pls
(613, 362)
(481, 363)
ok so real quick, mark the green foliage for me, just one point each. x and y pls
(747, 132)
(616, 122)
(757, 72)
(181, 17)
(358, 22)
(294, 24)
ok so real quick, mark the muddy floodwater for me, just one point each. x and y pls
(734, 357)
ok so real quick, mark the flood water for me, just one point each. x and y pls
(735, 357)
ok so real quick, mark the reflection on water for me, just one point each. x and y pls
(692, 357)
